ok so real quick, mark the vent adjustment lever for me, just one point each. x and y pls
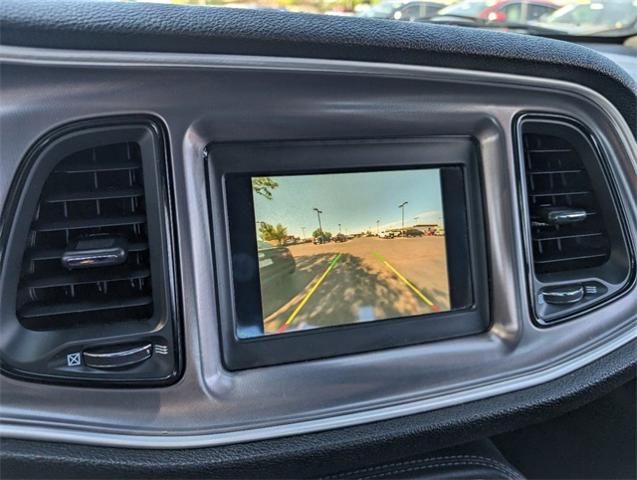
(562, 215)
(99, 250)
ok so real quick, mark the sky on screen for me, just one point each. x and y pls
(355, 200)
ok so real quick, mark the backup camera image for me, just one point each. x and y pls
(337, 249)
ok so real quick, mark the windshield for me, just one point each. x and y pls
(563, 18)
(382, 10)
(609, 15)
(466, 9)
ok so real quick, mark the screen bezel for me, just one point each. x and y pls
(233, 233)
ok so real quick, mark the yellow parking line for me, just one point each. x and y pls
(433, 306)
(290, 319)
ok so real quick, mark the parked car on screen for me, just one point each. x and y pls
(413, 232)
(385, 234)
(275, 263)
(402, 10)
(592, 18)
(340, 237)
(496, 11)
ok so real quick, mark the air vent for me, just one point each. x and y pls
(87, 287)
(567, 225)
(578, 252)
(97, 193)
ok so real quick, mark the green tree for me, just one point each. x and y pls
(318, 233)
(269, 232)
(264, 186)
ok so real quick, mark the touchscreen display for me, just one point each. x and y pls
(344, 248)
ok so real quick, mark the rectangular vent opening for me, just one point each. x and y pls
(94, 191)
(557, 179)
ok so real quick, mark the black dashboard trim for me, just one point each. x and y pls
(630, 278)
(170, 295)
(228, 164)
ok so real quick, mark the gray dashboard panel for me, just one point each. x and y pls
(208, 98)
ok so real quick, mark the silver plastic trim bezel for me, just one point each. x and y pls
(26, 429)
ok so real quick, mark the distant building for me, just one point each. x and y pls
(426, 227)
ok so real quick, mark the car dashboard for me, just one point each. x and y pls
(202, 99)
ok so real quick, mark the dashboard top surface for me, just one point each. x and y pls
(88, 25)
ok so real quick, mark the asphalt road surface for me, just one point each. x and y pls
(359, 280)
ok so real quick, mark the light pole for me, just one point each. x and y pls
(377, 227)
(303, 230)
(402, 209)
(339, 228)
(318, 214)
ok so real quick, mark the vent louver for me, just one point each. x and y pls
(97, 191)
(577, 248)
(557, 181)
(87, 272)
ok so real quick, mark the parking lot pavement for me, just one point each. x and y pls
(359, 280)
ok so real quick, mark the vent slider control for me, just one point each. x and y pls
(101, 250)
